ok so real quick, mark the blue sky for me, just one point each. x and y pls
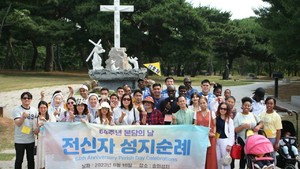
(238, 8)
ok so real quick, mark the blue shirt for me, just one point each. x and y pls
(146, 92)
(164, 94)
(209, 97)
(190, 92)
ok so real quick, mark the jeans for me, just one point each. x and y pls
(20, 149)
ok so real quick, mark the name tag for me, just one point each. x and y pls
(26, 130)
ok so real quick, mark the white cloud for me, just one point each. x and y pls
(238, 8)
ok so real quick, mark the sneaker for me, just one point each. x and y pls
(265, 167)
(257, 166)
(271, 166)
(297, 158)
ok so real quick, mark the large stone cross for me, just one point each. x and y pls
(117, 9)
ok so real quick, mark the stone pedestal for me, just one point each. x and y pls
(112, 79)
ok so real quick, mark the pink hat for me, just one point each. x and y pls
(148, 99)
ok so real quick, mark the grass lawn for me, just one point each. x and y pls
(196, 81)
(6, 137)
(6, 157)
(14, 80)
(25, 80)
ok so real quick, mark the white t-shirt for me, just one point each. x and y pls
(241, 118)
(129, 118)
(24, 133)
(258, 107)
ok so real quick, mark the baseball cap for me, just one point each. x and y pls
(259, 92)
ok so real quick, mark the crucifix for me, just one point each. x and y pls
(117, 8)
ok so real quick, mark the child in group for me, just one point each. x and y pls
(104, 115)
(263, 164)
(289, 142)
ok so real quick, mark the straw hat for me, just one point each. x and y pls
(148, 99)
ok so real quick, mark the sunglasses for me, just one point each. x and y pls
(126, 99)
(26, 98)
(223, 108)
(70, 103)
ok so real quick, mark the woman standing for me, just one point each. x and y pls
(243, 121)
(68, 115)
(218, 99)
(81, 112)
(104, 115)
(151, 115)
(231, 103)
(194, 104)
(126, 114)
(38, 128)
(207, 118)
(93, 105)
(272, 122)
(225, 133)
(56, 107)
(184, 115)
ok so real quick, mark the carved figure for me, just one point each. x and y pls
(113, 65)
(134, 61)
(97, 61)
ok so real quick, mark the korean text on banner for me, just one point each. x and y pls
(83, 145)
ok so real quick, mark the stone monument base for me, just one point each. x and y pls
(112, 79)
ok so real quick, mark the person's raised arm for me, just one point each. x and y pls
(71, 91)
(20, 121)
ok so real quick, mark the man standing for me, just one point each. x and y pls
(258, 103)
(156, 94)
(142, 85)
(23, 136)
(104, 93)
(188, 85)
(137, 100)
(168, 106)
(205, 86)
(168, 82)
(183, 92)
(120, 92)
(84, 92)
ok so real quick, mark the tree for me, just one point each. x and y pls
(281, 19)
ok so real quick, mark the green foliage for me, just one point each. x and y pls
(39, 34)
(281, 20)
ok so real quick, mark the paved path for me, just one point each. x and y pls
(237, 91)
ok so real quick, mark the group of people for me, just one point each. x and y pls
(151, 105)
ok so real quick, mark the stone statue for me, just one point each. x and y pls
(113, 65)
(97, 61)
(120, 58)
(134, 61)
